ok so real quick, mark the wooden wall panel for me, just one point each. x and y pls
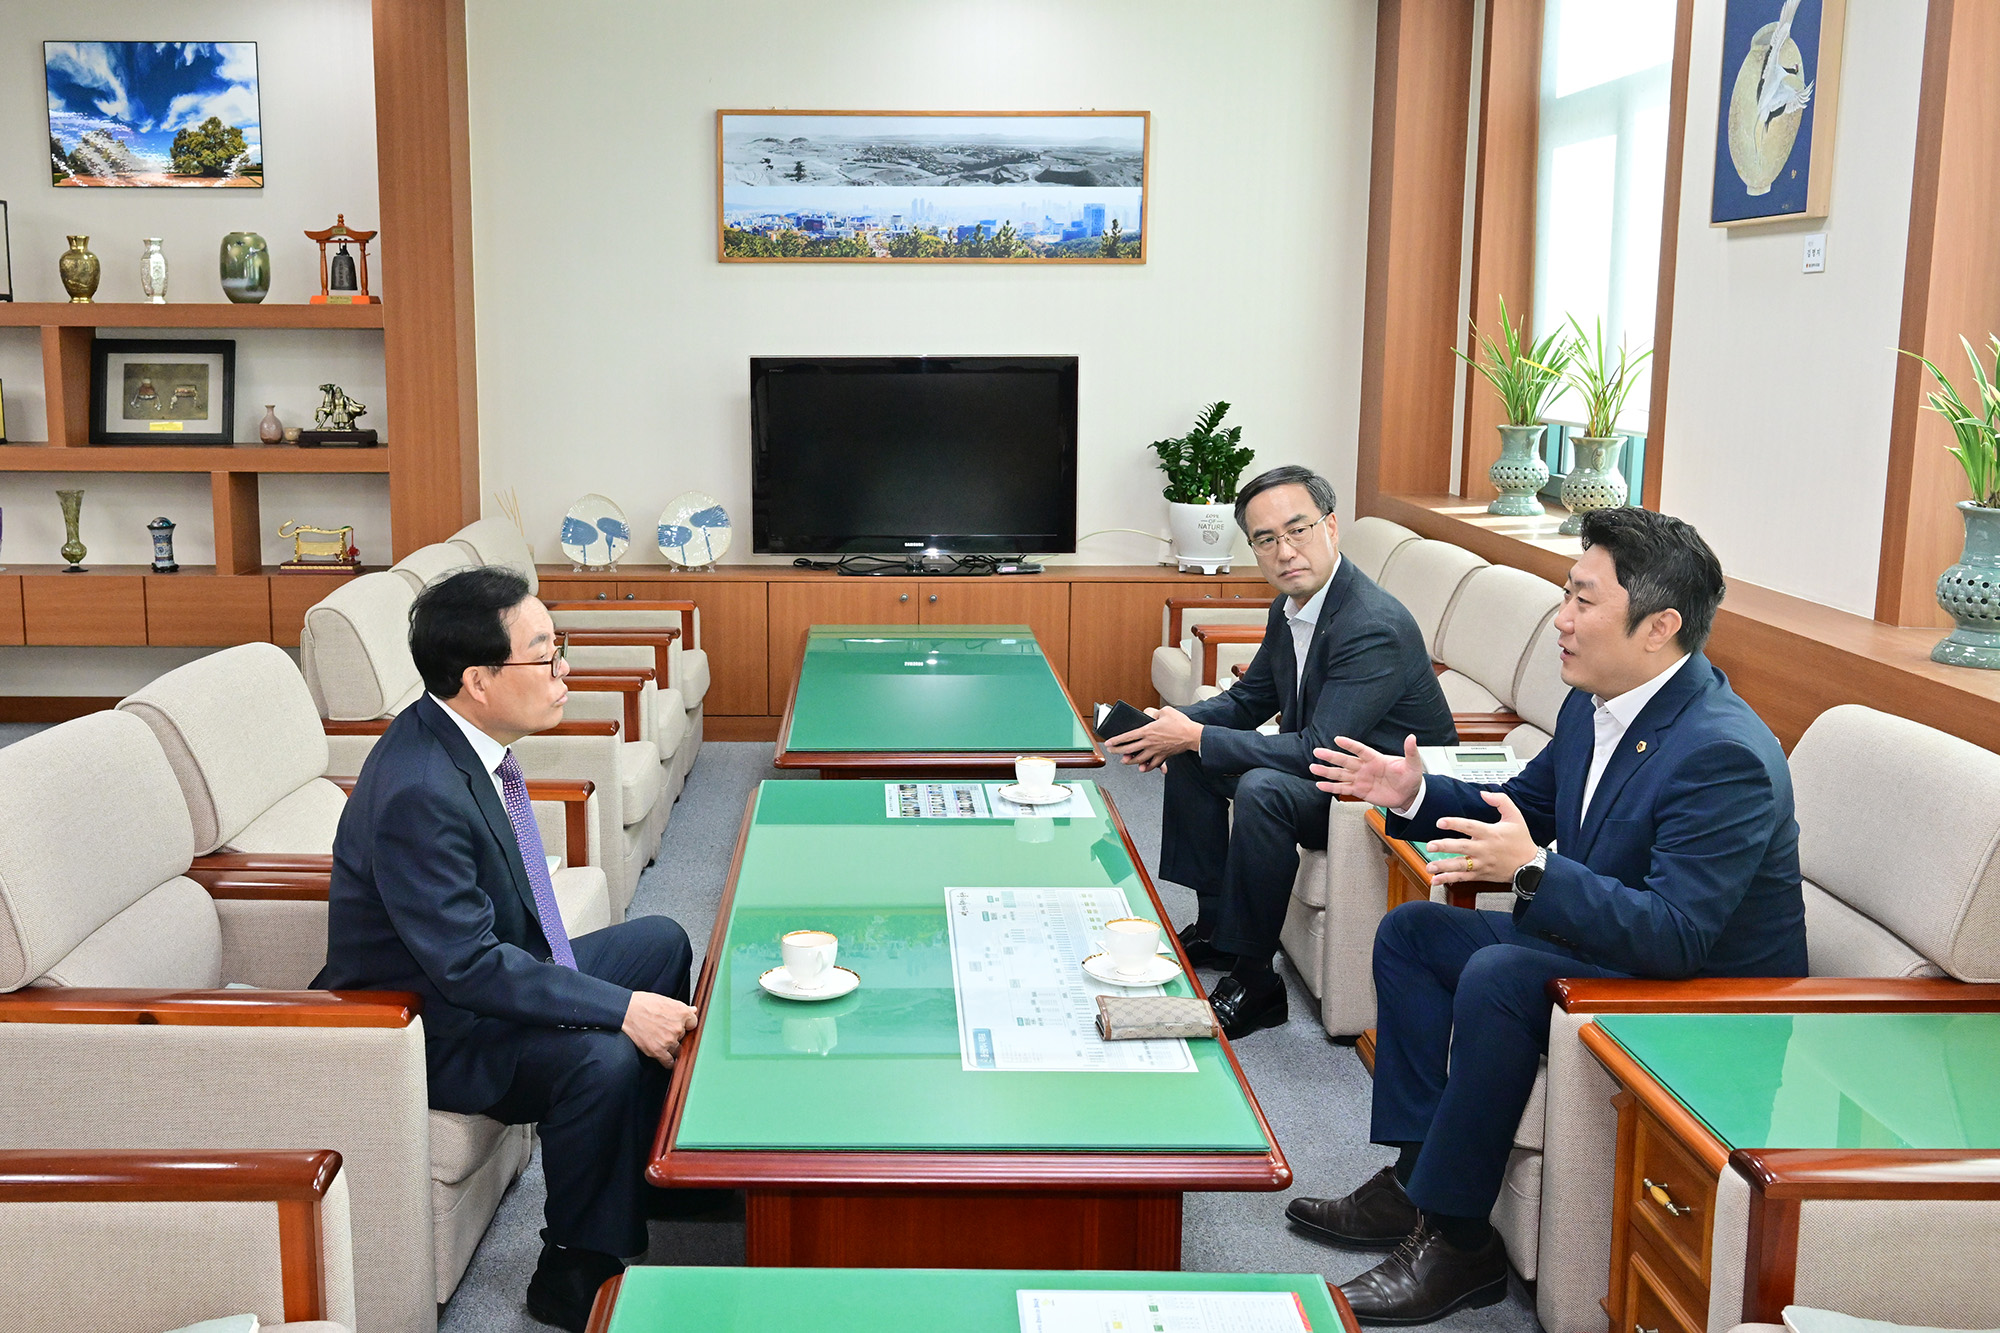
(291, 596)
(1114, 628)
(10, 609)
(195, 611)
(1042, 607)
(66, 380)
(94, 609)
(732, 634)
(239, 536)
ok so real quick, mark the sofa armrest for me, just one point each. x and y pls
(574, 796)
(631, 684)
(661, 641)
(1178, 607)
(1485, 728)
(212, 1008)
(266, 876)
(378, 725)
(1212, 637)
(1405, 860)
(1773, 995)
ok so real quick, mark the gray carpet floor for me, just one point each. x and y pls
(1314, 1092)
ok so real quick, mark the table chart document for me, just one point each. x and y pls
(1162, 1312)
(1024, 1000)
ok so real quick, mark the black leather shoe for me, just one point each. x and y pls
(1200, 952)
(1427, 1277)
(1242, 1012)
(1375, 1217)
(566, 1282)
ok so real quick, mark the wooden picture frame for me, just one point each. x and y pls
(1775, 117)
(941, 186)
(157, 391)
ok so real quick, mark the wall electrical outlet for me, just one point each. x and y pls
(1816, 253)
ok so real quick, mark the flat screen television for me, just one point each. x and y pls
(901, 454)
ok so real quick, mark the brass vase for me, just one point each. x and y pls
(80, 270)
(73, 549)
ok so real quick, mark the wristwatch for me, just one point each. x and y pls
(1529, 877)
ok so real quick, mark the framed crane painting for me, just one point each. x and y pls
(1774, 131)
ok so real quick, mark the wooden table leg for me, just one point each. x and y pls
(963, 1229)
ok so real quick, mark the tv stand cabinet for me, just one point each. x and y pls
(1098, 624)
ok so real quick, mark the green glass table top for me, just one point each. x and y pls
(1871, 1080)
(940, 689)
(892, 1300)
(880, 1068)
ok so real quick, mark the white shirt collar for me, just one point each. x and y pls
(1627, 706)
(490, 751)
(1309, 613)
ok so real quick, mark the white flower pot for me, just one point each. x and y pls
(1203, 535)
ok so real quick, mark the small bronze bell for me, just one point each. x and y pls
(340, 272)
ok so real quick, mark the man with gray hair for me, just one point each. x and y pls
(1340, 657)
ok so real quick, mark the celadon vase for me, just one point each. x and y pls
(1594, 481)
(1969, 592)
(1519, 473)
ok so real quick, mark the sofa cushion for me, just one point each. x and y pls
(496, 541)
(672, 719)
(639, 779)
(1425, 576)
(170, 939)
(304, 821)
(1842, 942)
(241, 732)
(428, 564)
(1539, 691)
(460, 1144)
(691, 676)
(358, 661)
(1370, 542)
(94, 822)
(1498, 613)
(1463, 694)
(1173, 676)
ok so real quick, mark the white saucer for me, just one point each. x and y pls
(1020, 795)
(1157, 973)
(779, 982)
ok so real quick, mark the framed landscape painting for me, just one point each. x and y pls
(925, 187)
(154, 113)
(1774, 131)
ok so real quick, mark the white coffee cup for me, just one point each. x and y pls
(1035, 774)
(1132, 942)
(809, 956)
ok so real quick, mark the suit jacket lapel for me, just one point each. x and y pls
(480, 783)
(1640, 743)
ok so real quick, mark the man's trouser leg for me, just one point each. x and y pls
(1276, 814)
(1194, 832)
(595, 1099)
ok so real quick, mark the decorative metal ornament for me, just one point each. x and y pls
(73, 550)
(163, 546)
(80, 270)
(339, 282)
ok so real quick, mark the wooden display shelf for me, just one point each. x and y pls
(188, 458)
(186, 315)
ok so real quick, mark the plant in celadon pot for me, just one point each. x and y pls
(1969, 592)
(1203, 467)
(1593, 481)
(1525, 379)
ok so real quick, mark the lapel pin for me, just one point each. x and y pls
(1642, 747)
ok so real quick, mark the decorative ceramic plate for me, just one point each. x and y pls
(594, 532)
(694, 530)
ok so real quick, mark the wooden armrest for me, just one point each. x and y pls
(105, 1175)
(301, 877)
(1439, 668)
(212, 1008)
(376, 726)
(1238, 670)
(1212, 637)
(576, 830)
(1463, 893)
(1774, 995)
(1178, 607)
(1474, 728)
(661, 641)
(629, 684)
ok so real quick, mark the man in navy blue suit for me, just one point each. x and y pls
(1653, 837)
(440, 887)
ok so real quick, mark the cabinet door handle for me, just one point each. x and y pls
(904, 598)
(934, 597)
(631, 596)
(1640, 1328)
(1665, 1200)
(604, 597)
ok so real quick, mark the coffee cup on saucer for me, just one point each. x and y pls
(1132, 943)
(809, 956)
(1035, 775)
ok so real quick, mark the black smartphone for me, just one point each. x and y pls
(1120, 718)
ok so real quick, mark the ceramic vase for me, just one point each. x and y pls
(1969, 592)
(72, 550)
(80, 270)
(1519, 473)
(246, 268)
(153, 271)
(1594, 481)
(1202, 535)
(270, 430)
(162, 529)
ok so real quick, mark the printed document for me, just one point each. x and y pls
(1162, 1312)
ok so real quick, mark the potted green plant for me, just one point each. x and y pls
(1203, 467)
(1525, 379)
(1967, 590)
(1593, 481)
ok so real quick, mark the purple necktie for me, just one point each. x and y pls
(514, 790)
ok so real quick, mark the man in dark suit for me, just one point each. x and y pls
(1653, 837)
(440, 887)
(1339, 656)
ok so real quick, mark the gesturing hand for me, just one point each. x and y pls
(1487, 852)
(1363, 774)
(656, 1025)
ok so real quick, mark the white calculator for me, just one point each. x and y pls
(1472, 763)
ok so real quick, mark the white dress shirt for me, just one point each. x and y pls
(490, 751)
(1303, 620)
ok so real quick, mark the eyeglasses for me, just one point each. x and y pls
(555, 664)
(1294, 537)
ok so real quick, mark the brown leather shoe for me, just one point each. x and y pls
(1375, 1217)
(1427, 1277)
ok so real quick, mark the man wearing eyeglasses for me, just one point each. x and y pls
(440, 886)
(1340, 657)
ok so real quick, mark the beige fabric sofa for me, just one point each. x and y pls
(495, 541)
(137, 1241)
(354, 652)
(1901, 882)
(154, 1055)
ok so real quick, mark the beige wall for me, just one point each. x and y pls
(614, 348)
(1779, 396)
